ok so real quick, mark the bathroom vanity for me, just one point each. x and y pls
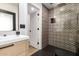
(14, 45)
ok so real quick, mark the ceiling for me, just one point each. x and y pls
(14, 4)
(53, 5)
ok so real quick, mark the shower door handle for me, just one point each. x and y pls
(7, 46)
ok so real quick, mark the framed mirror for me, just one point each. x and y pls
(7, 20)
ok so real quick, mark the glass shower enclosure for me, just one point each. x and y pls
(66, 28)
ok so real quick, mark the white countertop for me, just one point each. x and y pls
(12, 38)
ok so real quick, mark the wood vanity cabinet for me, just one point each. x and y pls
(19, 48)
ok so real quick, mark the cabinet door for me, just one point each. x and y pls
(16, 50)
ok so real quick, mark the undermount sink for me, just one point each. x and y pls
(12, 38)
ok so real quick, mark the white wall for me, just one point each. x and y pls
(12, 8)
(39, 6)
(23, 18)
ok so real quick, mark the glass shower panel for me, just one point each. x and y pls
(65, 28)
(77, 35)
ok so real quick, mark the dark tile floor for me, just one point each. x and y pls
(53, 51)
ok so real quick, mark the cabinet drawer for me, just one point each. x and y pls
(16, 49)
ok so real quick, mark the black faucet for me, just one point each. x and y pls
(4, 35)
